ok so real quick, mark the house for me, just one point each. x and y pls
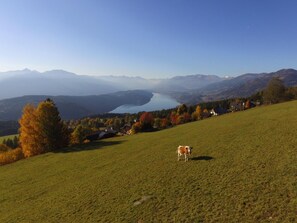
(108, 133)
(218, 111)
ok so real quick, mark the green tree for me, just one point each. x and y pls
(274, 92)
(9, 143)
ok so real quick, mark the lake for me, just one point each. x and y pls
(157, 102)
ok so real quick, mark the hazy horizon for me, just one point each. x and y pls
(150, 39)
(139, 76)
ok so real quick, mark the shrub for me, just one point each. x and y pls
(4, 148)
(11, 156)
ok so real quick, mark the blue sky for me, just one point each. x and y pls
(149, 38)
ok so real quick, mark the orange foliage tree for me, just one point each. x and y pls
(197, 115)
(174, 118)
(30, 138)
(146, 120)
(41, 129)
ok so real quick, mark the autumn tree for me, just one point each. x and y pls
(41, 129)
(51, 128)
(30, 138)
(174, 118)
(275, 91)
(146, 120)
(197, 115)
(187, 117)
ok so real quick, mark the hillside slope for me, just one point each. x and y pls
(241, 86)
(243, 169)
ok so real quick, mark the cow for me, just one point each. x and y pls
(184, 150)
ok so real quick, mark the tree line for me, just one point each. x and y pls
(42, 130)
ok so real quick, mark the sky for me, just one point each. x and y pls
(149, 38)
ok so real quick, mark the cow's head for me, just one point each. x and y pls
(189, 149)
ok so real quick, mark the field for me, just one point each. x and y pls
(243, 169)
(7, 137)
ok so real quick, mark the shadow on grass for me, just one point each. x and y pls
(202, 158)
(89, 146)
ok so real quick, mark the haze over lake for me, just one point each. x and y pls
(157, 102)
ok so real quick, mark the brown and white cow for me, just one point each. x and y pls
(184, 150)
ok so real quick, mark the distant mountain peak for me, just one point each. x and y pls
(286, 71)
(59, 74)
(26, 70)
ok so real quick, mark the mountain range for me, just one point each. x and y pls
(60, 82)
(241, 86)
(75, 107)
(77, 95)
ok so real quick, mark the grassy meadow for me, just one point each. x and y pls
(243, 169)
(7, 137)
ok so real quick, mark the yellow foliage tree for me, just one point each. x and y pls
(53, 132)
(29, 132)
(41, 129)
(77, 136)
(197, 115)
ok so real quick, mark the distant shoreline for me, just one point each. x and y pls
(157, 102)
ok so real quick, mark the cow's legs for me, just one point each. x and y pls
(186, 158)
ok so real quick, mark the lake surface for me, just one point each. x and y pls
(157, 102)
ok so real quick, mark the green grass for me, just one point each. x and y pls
(244, 169)
(7, 137)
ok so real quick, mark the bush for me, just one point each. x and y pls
(11, 156)
(4, 148)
